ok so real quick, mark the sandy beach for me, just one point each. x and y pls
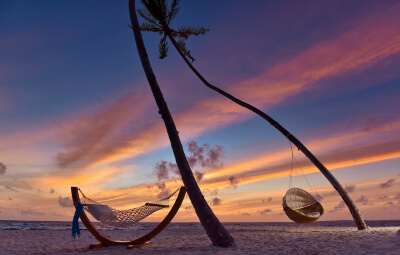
(189, 238)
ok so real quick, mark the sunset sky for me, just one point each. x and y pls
(76, 108)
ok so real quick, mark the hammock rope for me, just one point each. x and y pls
(122, 218)
(299, 167)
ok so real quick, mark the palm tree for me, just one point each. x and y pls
(158, 18)
(218, 235)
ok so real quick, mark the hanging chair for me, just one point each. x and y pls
(113, 217)
(301, 207)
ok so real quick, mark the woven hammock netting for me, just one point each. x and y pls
(122, 218)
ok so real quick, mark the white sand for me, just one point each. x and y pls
(250, 239)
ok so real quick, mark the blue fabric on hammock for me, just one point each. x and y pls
(75, 223)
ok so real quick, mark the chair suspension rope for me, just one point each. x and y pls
(298, 165)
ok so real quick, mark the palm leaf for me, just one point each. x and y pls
(157, 9)
(173, 11)
(147, 16)
(186, 31)
(149, 27)
(182, 46)
(163, 47)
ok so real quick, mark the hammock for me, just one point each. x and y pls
(301, 207)
(122, 218)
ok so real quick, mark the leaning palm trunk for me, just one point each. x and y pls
(335, 183)
(218, 235)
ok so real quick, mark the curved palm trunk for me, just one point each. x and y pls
(335, 183)
(218, 235)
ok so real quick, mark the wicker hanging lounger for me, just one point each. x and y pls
(301, 207)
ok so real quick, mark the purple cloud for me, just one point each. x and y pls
(163, 168)
(204, 155)
(165, 192)
(65, 202)
(196, 153)
(10, 188)
(199, 155)
(383, 197)
(233, 181)
(349, 188)
(198, 175)
(216, 201)
(214, 192)
(387, 184)
(161, 171)
(318, 197)
(265, 211)
(213, 157)
(338, 207)
(3, 169)
(362, 200)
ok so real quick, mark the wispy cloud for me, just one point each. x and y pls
(10, 188)
(356, 49)
(362, 199)
(65, 202)
(388, 183)
(265, 211)
(94, 136)
(338, 207)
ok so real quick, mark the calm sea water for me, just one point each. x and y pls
(63, 225)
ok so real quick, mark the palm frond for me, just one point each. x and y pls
(182, 46)
(173, 11)
(186, 31)
(163, 47)
(147, 16)
(149, 27)
(157, 8)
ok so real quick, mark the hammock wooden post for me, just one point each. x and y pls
(141, 241)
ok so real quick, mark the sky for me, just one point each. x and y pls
(76, 108)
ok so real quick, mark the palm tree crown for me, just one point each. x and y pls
(158, 18)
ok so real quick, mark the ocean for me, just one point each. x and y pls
(64, 225)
